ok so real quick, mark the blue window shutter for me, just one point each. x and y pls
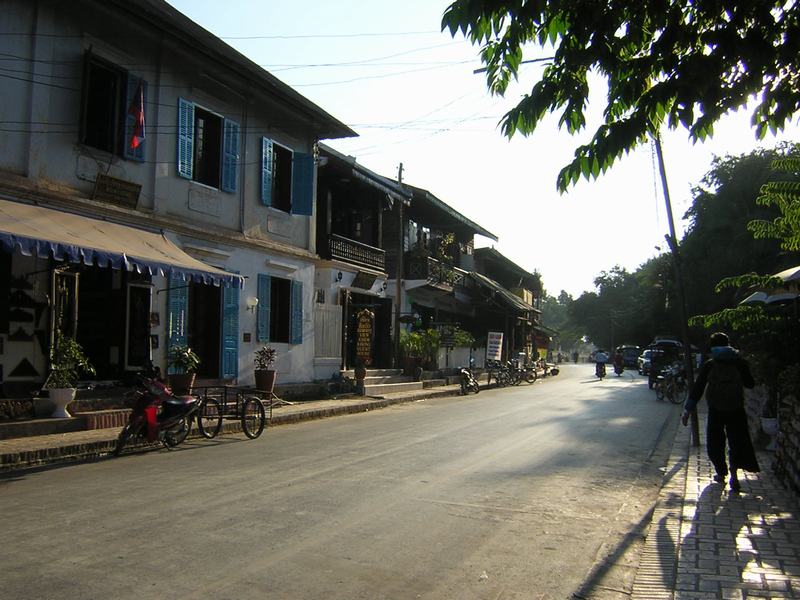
(263, 315)
(230, 155)
(137, 153)
(296, 311)
(302, 184)
(177, 313)
(230, 332)
(185, 138)
(266, 171)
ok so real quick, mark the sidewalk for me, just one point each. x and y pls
(42, 450)
(705, 543)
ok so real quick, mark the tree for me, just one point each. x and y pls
(717, 244)
(679, 62)
(555, 315)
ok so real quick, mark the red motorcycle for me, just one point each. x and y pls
(158, 415)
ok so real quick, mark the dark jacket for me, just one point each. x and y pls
(722, 354)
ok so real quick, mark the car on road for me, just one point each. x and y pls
(643, 362)
(630, 355)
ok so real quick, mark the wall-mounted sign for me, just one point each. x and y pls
(365, 320)
(494, 345)
(116, 191)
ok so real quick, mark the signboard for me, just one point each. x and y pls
(116, 191)
(363, 280)
(494, 345)
(364, 328)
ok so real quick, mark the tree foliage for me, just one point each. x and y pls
(675, 62)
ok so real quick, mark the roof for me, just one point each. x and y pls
(214, 51)
(527, 279)
(393, 189)
(428, 210)
(511, 300)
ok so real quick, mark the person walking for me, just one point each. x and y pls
(724, 377)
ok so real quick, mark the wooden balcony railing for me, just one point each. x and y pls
(356, 253)
(435, 271)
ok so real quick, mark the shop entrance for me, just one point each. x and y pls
(204, 327)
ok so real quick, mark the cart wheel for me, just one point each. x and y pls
(209, 418)
(254, 417)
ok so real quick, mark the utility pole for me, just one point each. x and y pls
(672, 240)
(398, 273)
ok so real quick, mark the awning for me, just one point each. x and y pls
(69, 237)
(502, 294)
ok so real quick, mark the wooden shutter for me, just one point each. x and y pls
(263, 315)
(230, 155)
(177, 313)
(185, 138)
(230, 332)
(267, 168)
(302, 184)
(296, 312)
(137, 153)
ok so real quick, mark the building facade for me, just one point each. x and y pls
(157, 188)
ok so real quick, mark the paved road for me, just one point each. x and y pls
(530, 492)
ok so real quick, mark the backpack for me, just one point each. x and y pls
(724, 389)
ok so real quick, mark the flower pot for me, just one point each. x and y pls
(769, 425)
(61, 397)
(182, 383)
(265, 379)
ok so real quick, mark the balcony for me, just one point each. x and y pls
(436, 272)
(356, 253)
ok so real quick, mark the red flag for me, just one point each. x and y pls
(137, 111)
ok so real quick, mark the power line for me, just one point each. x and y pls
(240, 37)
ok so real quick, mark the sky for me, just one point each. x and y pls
(410, 91)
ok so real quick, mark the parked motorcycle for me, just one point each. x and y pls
(468, 381)
(158, 415)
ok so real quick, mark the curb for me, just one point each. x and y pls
(64, 448)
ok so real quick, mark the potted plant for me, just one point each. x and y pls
(265, 375)
(67, 363)
(185, 362)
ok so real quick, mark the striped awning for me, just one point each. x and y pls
(68, 237)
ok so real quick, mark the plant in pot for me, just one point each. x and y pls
(265, 375)
(185, 362)
(67, 363)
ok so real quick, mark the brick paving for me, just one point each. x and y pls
(705, 542)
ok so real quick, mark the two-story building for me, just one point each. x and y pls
(356, 212)
(156, 188)
(509, 298)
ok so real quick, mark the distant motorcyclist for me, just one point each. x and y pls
(619, 362)
(600, 360)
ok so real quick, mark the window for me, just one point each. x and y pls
(113, 109)
(287, 178)
(208, 147)
(280, 310)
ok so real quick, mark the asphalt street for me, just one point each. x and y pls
(538, 491)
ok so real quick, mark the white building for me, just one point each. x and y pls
(196, 229)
